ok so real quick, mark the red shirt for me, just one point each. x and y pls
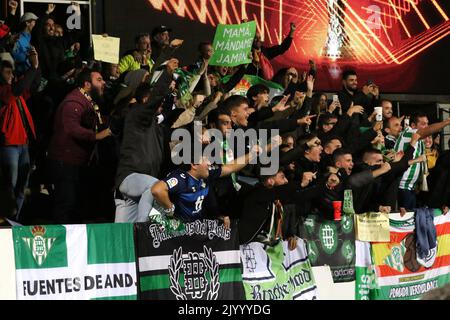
(11, 124)
(74, 130)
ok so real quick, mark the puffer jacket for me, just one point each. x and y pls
(12, 127)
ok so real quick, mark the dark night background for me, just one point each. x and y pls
(426, 73)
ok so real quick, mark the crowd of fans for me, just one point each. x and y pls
(96, 137)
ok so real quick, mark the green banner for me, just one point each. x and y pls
(232, 44)
(75, 262)
(332, 243)
(277, 273)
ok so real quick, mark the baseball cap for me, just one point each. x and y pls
(28, 16)
(6, 56)
(160, 29)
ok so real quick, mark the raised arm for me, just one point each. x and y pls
(277, 50)
(234, 80)
(12, 20)
(239, 163)
(433, 128)
(26, 82)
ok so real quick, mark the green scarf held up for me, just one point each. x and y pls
(347, 207)
(184, 82)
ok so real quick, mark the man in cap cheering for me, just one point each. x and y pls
(160, 40)
(23, 47)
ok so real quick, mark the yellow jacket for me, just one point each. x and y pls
(432, 156)
(128, 63)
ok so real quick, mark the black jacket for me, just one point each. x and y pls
(145, 148)
(254, 122)
(358, 98)
(234, 80)
(13, 22)
(340, 129)
(302, 164)
(270, 53)
(439, 182)
(52, 50)
(326, 160)
(316, 190)
(257, 209)
(380, 191)
(357, 141)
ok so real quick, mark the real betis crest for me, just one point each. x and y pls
(39, 245)
(195, 266)
(242, 87)
(395, 259)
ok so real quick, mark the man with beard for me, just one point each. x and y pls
(350, 94)
(75, 133)
(160, 40)
(387, 109)
(50, 47)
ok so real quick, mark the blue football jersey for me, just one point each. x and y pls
(188, 193)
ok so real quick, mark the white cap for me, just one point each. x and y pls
(6, 56)
(28, 16)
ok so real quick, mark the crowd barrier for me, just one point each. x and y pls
(203, 260)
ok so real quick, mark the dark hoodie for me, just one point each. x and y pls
(144, 147)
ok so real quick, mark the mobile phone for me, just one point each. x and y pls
(406, 122)
(335, 98)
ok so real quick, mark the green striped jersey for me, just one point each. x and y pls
(410, 176)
